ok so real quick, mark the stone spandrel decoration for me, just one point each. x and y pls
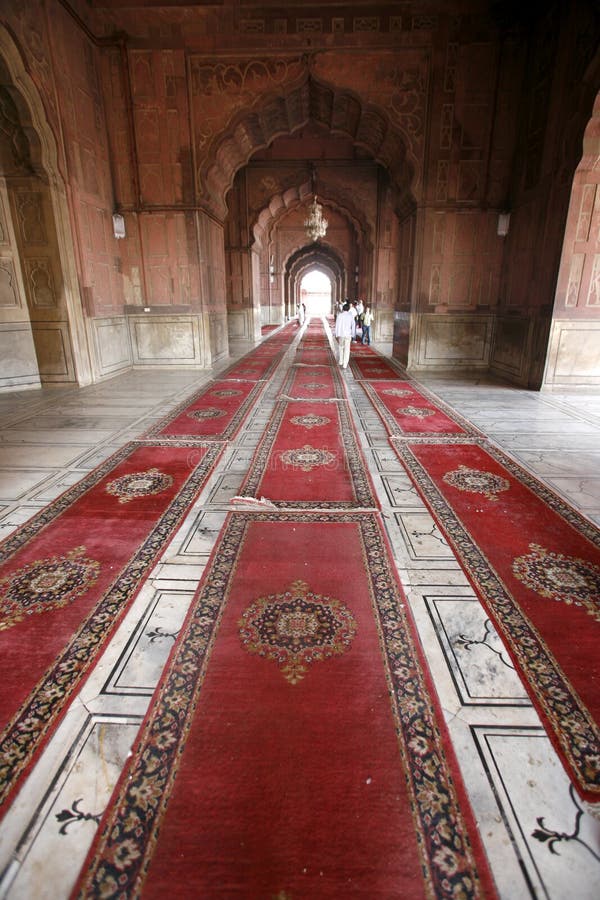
(315, 224)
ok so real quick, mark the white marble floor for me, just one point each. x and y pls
(50, 438)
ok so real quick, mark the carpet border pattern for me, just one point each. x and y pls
(359, 476)
(394, 428)
(22, 737)
(573, 731)
(128, 834)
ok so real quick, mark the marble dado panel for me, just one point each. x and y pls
(53, 350)
(18, 362)
(218, 338)
(111, 345)
(512, 348)
(274, 314)
(382, 329)
(243, 324)
(150, 339)
(451, 341)
(168, 340)
(573, 354)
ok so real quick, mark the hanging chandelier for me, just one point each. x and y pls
(315, 224)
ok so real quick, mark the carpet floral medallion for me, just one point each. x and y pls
(422, 415)
(535, 563)
(310, 421)
(139, 484)
(68, 575)
(341, 776)
(45, 584)
(306, 458)
(296, 629)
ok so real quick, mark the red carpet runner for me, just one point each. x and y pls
(309, 456)
(293, 748)
(69, 574)
(536, 566)
(534, 561)
(71, 571)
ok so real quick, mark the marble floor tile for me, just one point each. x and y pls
(17, 482)
(555, 838)
(540, 841)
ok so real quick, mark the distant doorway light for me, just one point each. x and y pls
(315, 293)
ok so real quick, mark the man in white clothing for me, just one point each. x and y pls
(345, 330)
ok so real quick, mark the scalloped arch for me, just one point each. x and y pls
(282, 203)
(315, 256)
(338, 110)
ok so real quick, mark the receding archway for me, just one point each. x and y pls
(315, 258)
(316, 293)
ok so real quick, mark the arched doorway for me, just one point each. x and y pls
(316, 293)
(326, 263)
(42, 332)
(325, 141)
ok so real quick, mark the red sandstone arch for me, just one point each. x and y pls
(282, 203)
(339, 111)
(315, 256)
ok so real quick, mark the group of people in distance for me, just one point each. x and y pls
(353, 320)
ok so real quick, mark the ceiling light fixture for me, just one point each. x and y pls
(316, 224)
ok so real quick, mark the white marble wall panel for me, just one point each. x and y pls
(112, 345)
(53, 347)
(383, 325)
(18, 362)
(511, 347)
(458, 341)
(573, 354)
(165, 340)
(240, 324)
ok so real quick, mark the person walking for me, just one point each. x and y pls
(367, 319)
(345, 329)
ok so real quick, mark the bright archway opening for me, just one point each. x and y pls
(315, 293)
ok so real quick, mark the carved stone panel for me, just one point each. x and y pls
(9, 293)
(30, 218)
(40, 281)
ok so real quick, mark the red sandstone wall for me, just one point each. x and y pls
(462, 119)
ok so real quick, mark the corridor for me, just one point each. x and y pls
(539, 838)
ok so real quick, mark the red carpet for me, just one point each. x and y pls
(365, 363)
(407, 409)
(309, 456)
(214, 413)
(536, 566)
(71, 571)
(293, 748)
